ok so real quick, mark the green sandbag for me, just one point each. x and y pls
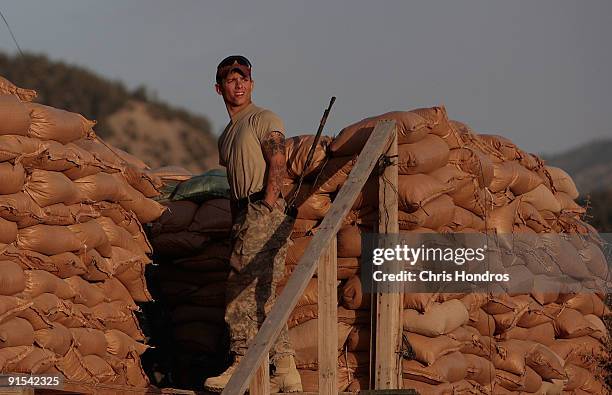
(210, 185)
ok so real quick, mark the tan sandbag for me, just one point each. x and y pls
(99, 368)
(529, 381)
(14, 114)
(581, 351)
(48, 123)
(8, 88)
(48, 308)
(594, 260)
(571, 323)
(114, 290)
(12, 278)
(442, 318)
(503, 175)
(568, 205)
(98, 267)
(411, 127)
(102, 186)
(577, 377)
(424, 156)
(296, 151)
(40, 281)
(16, 332)
(446, 369)
(600, 331)
(8, 231)
(119, 237)
(311, 204)
(36, 362)
(562, 182)
(303, 337)
(349, 242)
(433, 215)
(146, 210)
(127, 220)
(473, 161)
(12, 178)
(61, 214)
(134, 280)
(543, 333)
(483, 322)
(84, 292)
(415, 191)
(118, 315)
(120, 344)
(91, 235)
(50, 187)
(352, 296)
(466, 219)
(502, 145)
(523, 180)
(58, 339)
(12, 147)
(510, 355)
(358, 339)
(20, 208)
(420, 302)
(479, 369)
(176, 218)
(452, 177)
(545, 362)
(437, 119)
(172, 173)
(147, 184)
(501, 219)
(72, 366)
(542, 199)
(531, 217)
(429, 349)
(334, 174)
(11, 306)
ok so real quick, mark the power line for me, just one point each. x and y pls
(11, 32)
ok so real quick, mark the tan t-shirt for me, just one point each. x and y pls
(240, 149)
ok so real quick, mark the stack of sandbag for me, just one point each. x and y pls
(191, 244)
(72, 248)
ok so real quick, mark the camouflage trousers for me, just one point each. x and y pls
(259, 247)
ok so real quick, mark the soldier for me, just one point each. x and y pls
(252, 148)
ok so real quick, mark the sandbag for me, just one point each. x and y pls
(334, 174)
(542, 199)
(16, 332)
(503, 174)
(446, 369)
(48, 123)
(147, 184)
(99, 368)
(429, 349)
(568, 205)
(84, 292)
(172, 173)
(452, 177)
(358, 339)
(545, 362)
(311, 204)
(442, 318)
(20, 208)
(466, 219)
(12, 278)
(8, 231)
(40, 281)
(134, 280)
(570, 323)
(37, 361)
(594, 260)
(58, 338)
(415, 191)
(146, 210)
(433, 215)
(102, 186)
(424, 156)
(12, 147)
(14, 114)
(502, 145)
(8, 88)
(120, 344)
(12, 178)
(61, 214)
(562, 182)
(411, 127)
(529, 381)
(349, 242)
(586, 303)
(11, 306)
(473, 198)
(581, 351)
(212, 184)
(510, 355)
(296, 151)
(176, 218)
(303, 337)
(352, 296)
(50, 187)
(479, 369)
(118, 315)
(91, 235)
(473, 161)
(483, 322)
(213, 216)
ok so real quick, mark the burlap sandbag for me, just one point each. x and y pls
(542, 199)
(50, 187)
(570, 323)
(15, 116)
(91, 235)
(562, 182)
(594, 260)
(433, 215)
(411, 127)
(16, 332)
(529, 381)
(8, 231)
(334, 174)
(452, 177)
(483, 322)
(118, 315)
(146, 210)
(543, 333)
(12, 178)
(359, 339)
(466, 219)
(12, 147)
(352, 296)
(12, 278)
(109, 155)
(424, 156)
(296, 151)
(147, 184)
(40, 281)
(475, 162)
(545, 362)
(20, 208)
(119, 237)
(134, 280)
(172, 173)
(8, 88)
(581, 351)
(309, 296)
(415, 191)
(48, 123)
(446, 369)
(503, 174)
(442, 318)
(176, 218)
(501, 144)
(429, 349)
(479, 369)
(11, 306)
(62, 158)
(36, 362)
(102, 186)
(349, 242)
(511, 355)
(57, 339)
(120, 344)
(311, 204)
(568, 205)
(524, 180)
(587, 303)
(303, 337)
(114, 290)
(84, 292)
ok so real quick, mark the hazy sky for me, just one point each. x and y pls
(537, 72)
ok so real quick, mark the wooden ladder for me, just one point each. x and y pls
(253, 370)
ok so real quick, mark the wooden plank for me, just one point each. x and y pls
(260, 384)
(377, 143)
(327, 279)
(389, 301)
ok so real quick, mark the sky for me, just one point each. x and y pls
(537, 72)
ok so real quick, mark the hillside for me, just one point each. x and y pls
(154, 131)
(590, 165)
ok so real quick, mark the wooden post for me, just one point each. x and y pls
(327, 279)
(260, 384)
(389, 302)
(268, 332)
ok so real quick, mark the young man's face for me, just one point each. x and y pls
(235, 89)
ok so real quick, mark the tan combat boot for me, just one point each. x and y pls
(218, 383)
(286, 377)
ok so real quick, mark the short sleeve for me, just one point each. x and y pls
(267, 121)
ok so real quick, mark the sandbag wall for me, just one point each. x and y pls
(451, 181)
(72, 248)
(191, 244)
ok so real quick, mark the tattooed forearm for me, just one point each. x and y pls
(273, 148)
